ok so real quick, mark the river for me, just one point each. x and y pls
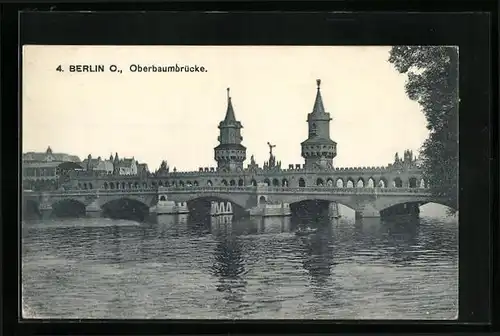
(177, 267)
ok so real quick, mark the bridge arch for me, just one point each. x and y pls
(320, 182)
(209, 183)
(305, 205)
(181, 183)
(329, 182)
(223, 182)
(395, 205)
(276, 182)
(284, 182)
(195, 183)
(241, 183)
(232, 182)
(129, 207)
(68, 207)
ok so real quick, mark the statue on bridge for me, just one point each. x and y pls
(272, 159)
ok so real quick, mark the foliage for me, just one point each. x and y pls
(433, 83)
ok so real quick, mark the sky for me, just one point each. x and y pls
(174, 116)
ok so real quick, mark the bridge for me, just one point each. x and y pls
(369, 191)
(367, 202)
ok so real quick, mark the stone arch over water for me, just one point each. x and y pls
(68, 207)
(126, 208)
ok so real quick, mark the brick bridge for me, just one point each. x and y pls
(367, 202)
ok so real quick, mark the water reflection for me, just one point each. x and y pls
(228, 264)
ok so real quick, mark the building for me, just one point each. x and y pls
(98, 165)
(142, 168)
(44, 165)
(44, 169)
(126, 166)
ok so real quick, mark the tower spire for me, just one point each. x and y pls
(319, 149)
(230, 153)
(230, 118)
(318, 103)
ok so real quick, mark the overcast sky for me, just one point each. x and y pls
(174, 116)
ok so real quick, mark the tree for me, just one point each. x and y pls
(433, 83)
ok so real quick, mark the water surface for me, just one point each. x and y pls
(177, 267)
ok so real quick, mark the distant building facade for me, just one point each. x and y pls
(44, 165)
(43, 170)
(98, 165)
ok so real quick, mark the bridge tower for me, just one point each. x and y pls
(230, 153)
(318, 149)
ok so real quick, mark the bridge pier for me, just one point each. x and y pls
(45, 211)
(93, 210)
(333, 210)
(367, 211)
(222, 208)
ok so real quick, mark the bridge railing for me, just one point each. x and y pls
(240, 189)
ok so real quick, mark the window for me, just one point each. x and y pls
(312, 130)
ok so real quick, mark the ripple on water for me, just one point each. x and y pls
(121, 269)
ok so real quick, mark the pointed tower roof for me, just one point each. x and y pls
(49, 150)
(230, 118)
(318, 103)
